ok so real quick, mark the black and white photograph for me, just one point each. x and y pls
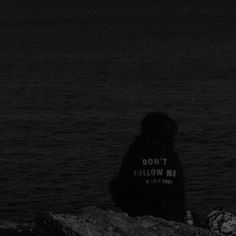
(117, 117)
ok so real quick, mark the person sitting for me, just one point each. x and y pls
(151, 180)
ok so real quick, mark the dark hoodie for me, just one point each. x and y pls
(151, 181)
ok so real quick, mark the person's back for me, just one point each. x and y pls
(151, 181)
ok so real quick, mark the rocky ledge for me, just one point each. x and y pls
(93, 221)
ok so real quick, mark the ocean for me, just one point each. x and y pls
(76, 80)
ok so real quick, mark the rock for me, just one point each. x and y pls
(8, 228)
(92, 221)
(222, 222)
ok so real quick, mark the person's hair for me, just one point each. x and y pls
(158, 125)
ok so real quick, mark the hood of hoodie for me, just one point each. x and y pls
(147, 144)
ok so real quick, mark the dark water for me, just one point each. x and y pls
(76, 83)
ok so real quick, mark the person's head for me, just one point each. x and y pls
(158, 125)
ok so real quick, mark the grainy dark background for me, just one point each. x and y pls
(77, 77)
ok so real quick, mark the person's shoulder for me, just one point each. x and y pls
(173, 157)
(138, 143)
